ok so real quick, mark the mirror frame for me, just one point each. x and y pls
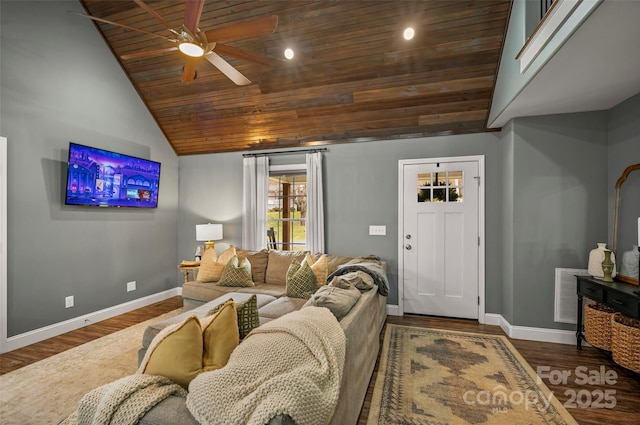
(616, 217)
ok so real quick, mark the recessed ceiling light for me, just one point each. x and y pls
(288, 53)
(408, 33)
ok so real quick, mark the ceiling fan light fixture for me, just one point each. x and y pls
(191, 49)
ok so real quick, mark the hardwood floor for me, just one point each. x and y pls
(30, 354)
(555, 357)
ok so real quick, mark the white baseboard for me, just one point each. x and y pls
(37, 335)
(558, 336)
(393, 310)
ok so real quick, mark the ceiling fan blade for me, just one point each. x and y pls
(242, 30)
(189, 73)
(224, 66)
(147, 53)
(153, 13)
(94, 18)
(192, 12)
(246, 55)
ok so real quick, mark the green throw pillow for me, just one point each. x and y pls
(301, 280)
(236, 275)
(248, 318)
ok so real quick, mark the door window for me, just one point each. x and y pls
(443, 186)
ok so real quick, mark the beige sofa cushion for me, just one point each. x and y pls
(339, 300)
(212, 265)
(258, 261)
(279, 262)
(320, 268)
(333, 261)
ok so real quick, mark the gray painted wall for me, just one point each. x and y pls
(60, 83)
(559, 206)
(624, 150)
(361, 188)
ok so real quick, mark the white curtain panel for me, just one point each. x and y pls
(255, 183)
(315, 203)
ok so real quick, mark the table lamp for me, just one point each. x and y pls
(208, 233)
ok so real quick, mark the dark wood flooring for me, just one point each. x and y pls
(32, 353)
(556, 357)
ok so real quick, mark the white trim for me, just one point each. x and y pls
(550, 25)
(481, 225)
(3, 245)
(37, 335)
(557, 336)
(393, 310)
(288, 167)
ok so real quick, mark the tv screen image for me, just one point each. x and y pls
(97, 177)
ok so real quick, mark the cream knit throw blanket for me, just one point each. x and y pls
(291, 365)
(123, 402)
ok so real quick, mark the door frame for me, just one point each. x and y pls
(3, 245)
(481, 225)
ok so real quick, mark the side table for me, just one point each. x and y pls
(620, 296)
(189, 272)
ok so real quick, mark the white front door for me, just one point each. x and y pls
(440, 237)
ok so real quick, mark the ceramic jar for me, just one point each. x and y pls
(596, 257)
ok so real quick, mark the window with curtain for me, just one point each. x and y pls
(287, 208)
(283, 205)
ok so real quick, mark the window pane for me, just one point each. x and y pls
(455, 194)
(439, 194)
(287, 210)
(455, 178)
(424, 179)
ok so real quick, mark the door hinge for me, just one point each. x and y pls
(477, 179)
(478, 240)
(478, 300)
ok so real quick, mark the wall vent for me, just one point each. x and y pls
(566, 297)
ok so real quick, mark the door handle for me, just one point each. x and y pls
(407, 247)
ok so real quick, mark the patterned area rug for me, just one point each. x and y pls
(47, 391)
(430, 376)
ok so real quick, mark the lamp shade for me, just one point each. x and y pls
(208, 232)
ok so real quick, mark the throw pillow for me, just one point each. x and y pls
(212, 265)
(279, 262)
(258, 262)
(338, 300)
(236, 275)
(176, 352)
(247, 314)
(320, 268)
(220, 336)
(301, 281)
(182, 351)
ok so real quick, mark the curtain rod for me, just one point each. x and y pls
(314, 150)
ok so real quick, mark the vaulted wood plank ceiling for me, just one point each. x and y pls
(353, 78)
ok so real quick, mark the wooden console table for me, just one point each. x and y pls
(620, 296)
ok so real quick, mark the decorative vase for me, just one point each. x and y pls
(607, 266)
(596, 257)
(629, 264)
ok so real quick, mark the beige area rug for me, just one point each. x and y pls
(47, 391)
(430, 376)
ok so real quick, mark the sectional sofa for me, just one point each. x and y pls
(362, 325)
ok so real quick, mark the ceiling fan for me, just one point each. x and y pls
(195, 43)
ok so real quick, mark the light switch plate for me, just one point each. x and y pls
(378, 230)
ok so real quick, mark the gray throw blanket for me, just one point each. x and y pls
(371, 265)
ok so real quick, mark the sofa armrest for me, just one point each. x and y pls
(281, 419)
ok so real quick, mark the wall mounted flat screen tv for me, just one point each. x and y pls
(101, 178)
